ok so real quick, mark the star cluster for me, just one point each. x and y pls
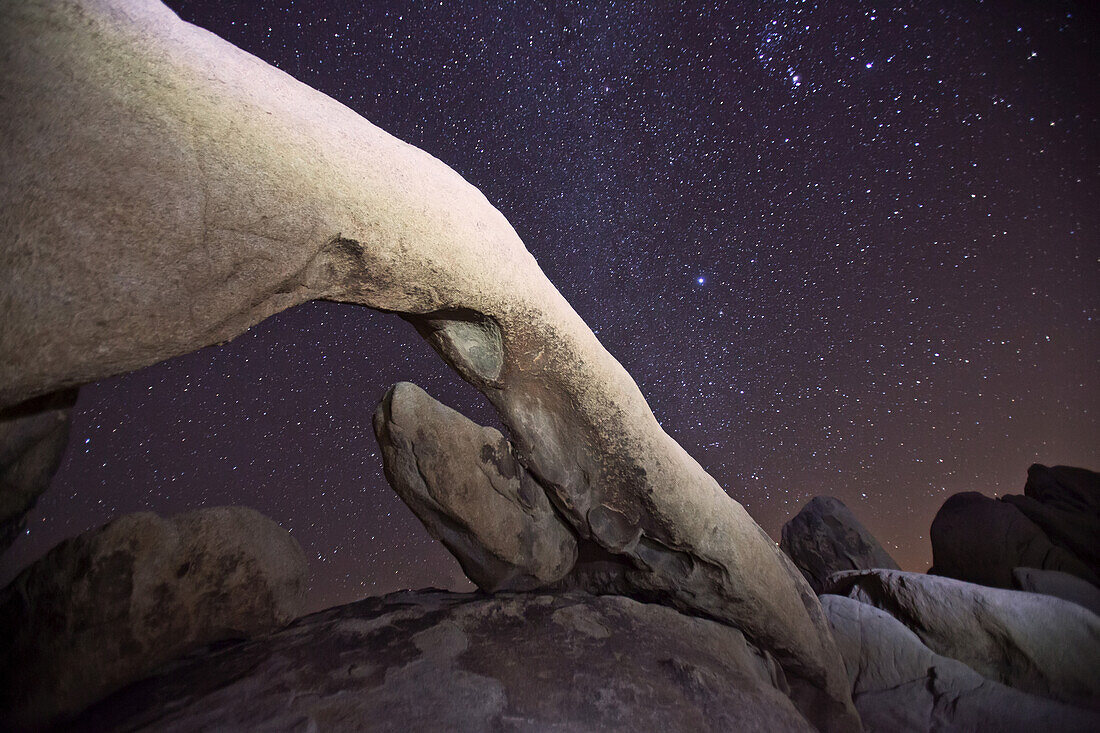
(843, 248)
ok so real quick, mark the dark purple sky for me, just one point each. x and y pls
(844, 249)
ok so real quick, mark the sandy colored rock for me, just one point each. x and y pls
(826, 538)
(981, 540)
(430, 660)
(463, 482)
(899, 684)
(162, 190)
(1034, 643)
(33, 437)
(105, 608)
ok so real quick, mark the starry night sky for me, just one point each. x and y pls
(843, 248)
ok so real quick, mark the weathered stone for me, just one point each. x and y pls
(1065, 487)
(163, 191)
(463, 482)
(1060, 585)
(105, 608)
(899, 684)
(981, 540)
(442, 661)
(1065, 502)
(1034, 643)
(33, 437)
(826, 538)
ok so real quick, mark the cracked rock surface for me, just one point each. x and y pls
(1034, 643)
(430, 660)
(899, 684)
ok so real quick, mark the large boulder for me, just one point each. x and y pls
(163, 190)
(104, 609)
(981, 540)
(826, 538)
(1060, 585)
(899, 684)
(466, 486)
(1065, 487)
(431, 660)
(1065, 502)
(33, 437)
(1034, 643)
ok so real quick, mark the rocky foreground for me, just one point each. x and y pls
(432, 660)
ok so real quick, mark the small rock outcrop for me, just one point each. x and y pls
(826, 538)
(430, 660)
(33, 436)
(1060, 585)
(899, 684)
(105, 608)
(982, 540)
(466, 486)
(1034, 643)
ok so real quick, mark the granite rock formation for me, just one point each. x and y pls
(982, 540)
(105, 608)
(826, 538)
(1065, 502)
(1034, 643)
(466, 486)
(163, 190)
(430, 660)
(33, 437)
(899, 684)
(1067, 488)
(1060, 585)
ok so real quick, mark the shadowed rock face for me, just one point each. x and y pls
(899, 684)
(1065, 488)
(103, 609)
(33, 437)
(465, 485)
(826, 538)
(981, 540)
(164, 191)
(1037, 644)
(1065, 502)
(443, 661)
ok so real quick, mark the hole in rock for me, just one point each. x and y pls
(279, 419)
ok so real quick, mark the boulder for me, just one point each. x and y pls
(431, 660)
(1065, 502)
(1066, 488)
(104, 609)
(899, 684)
(826, 538)
(1034, 643)
(33, 437)
(1060, 585)
(162, 191)
(1075, 532)
(981, 540)
(464, 483)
